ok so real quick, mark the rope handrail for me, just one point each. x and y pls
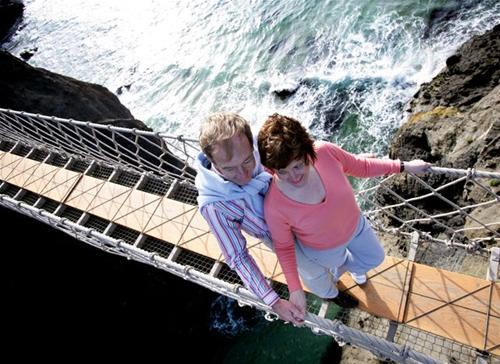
(193, 143)
(99, 126)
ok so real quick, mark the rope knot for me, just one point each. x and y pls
(471, 173)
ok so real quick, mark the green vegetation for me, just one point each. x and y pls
(437, 112)
(495, 182)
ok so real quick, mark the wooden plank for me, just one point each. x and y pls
(445, 286)
(137, 210)
(493, 341)
(9, 163)
(38, 181)
(265, 259)
(109, 200)
(495, 300)
(384, 294)
(198, 237)
(22, 172)
(61, 184)
(451, 321)
(85, 192)
(170, 220)
(199, 222)
(201, 242)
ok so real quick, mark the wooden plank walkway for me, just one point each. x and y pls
(452, 305)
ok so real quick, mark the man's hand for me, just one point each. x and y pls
(288, 312)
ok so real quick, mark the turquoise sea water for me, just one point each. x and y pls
(356, 65)
(356, 61)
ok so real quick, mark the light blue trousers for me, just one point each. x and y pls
(321, 269)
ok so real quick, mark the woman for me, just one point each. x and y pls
(311, 202)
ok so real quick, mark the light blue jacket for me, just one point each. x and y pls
(212, 187)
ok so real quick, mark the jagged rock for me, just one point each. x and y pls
(11, 12)
(285, 90)
(455, 122)
(447, 137)
(471, 73)
(123, 88)
(36, 90)
(28, 53)
(486, 215)
(443, 13)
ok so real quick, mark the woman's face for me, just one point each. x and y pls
(295, 174)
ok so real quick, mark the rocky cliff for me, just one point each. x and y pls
(454, 122)
(36, 90)
(11, 12)
(454, 119)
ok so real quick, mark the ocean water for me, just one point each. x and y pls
(357, 62)
(355, 65)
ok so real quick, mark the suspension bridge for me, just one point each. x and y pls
(435, 299)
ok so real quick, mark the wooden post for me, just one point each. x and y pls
(492, 273)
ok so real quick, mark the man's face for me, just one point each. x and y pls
(234, 159)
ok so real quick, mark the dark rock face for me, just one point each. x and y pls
(470, 74)
(446, 13)
(455, 122)
(455, 117)
(11, 12)
(74, 289)
(286, 90)
(36, 90)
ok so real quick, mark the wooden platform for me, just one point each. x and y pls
(452, 305)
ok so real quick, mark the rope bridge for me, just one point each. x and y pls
(131, 193)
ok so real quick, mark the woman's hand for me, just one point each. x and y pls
(417, 166)
(298, 299)
(287, 311)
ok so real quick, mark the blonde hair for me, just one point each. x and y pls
(219, 127)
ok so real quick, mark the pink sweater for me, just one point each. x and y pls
(327, 224)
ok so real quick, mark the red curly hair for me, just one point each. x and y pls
(282, 140)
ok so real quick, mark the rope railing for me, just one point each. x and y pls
(440, 215)
(161, 155)
(132, 149)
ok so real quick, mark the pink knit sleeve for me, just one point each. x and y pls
(362, 167)
(283, 239)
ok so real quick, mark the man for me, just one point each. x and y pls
(231, 185)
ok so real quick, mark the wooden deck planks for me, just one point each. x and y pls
(384, 294)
